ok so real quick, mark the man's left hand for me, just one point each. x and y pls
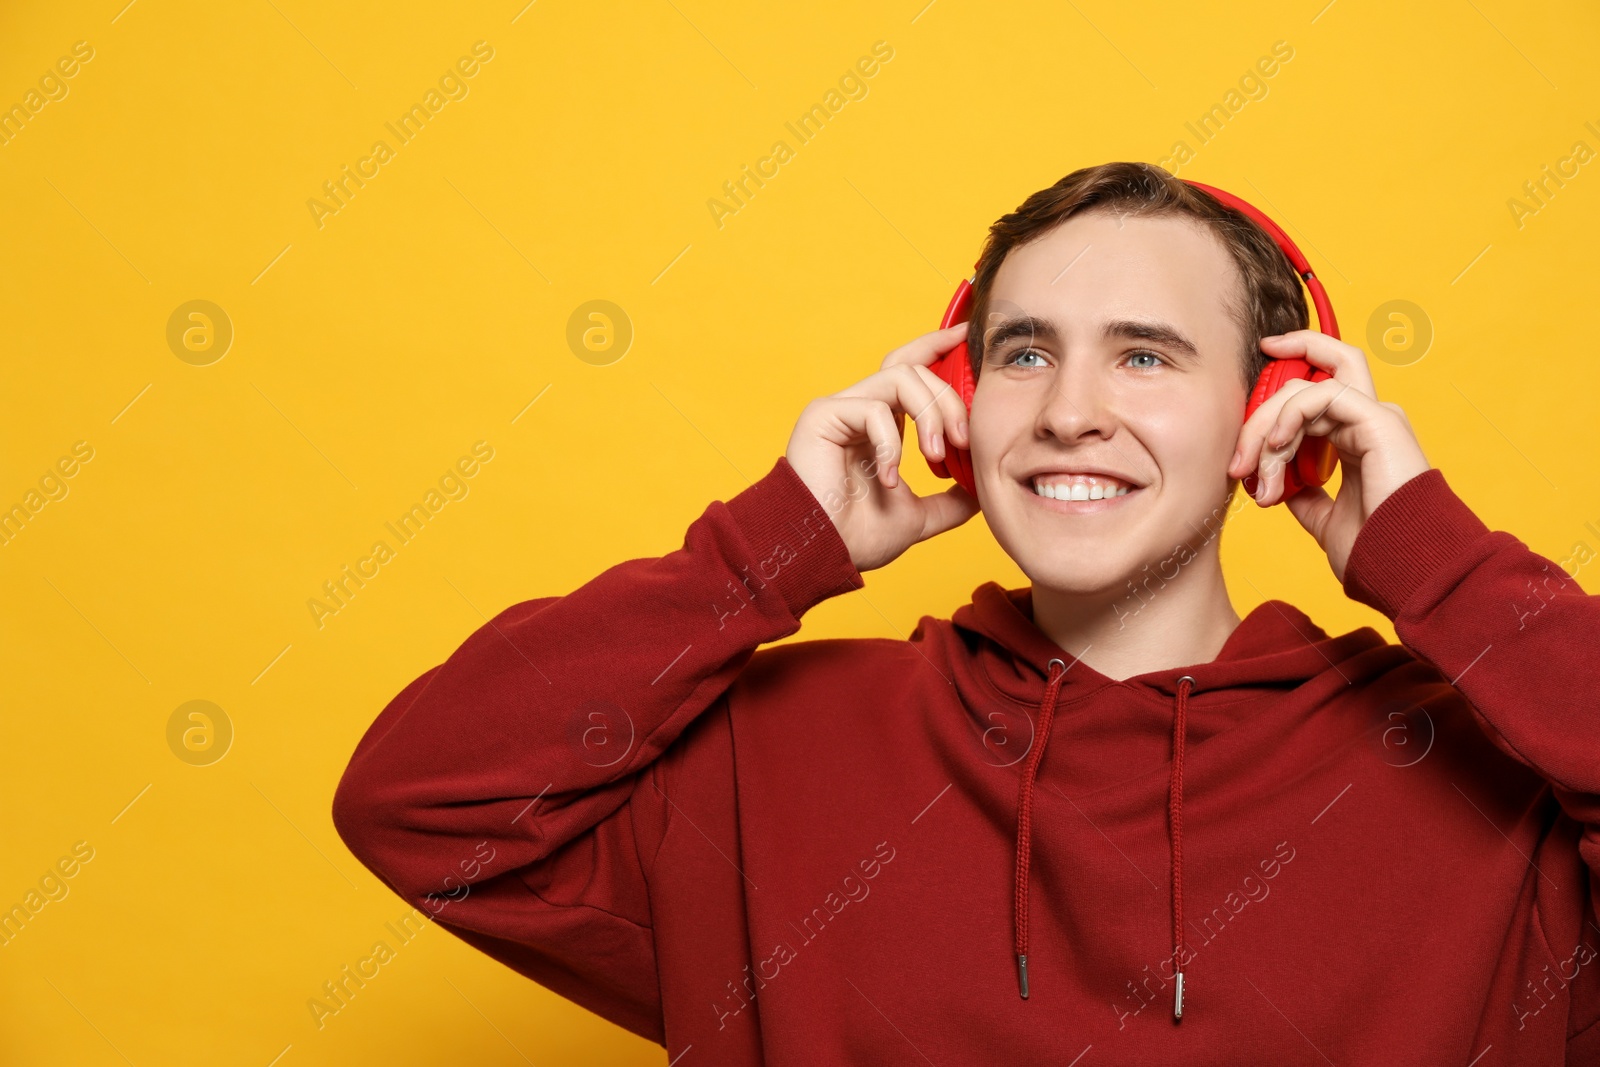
(1378, 452)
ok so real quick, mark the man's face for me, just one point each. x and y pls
(1080, 391)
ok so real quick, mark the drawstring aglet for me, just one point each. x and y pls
(1177, 999)
(1022, 974)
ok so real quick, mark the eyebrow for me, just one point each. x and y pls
(1153, 330)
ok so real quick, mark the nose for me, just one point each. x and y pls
(1076, 402)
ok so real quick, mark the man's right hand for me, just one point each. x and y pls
(846, 448)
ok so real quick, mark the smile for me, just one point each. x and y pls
(1079, 494)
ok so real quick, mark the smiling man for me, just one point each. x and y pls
(1147, 408)
(1047, 828)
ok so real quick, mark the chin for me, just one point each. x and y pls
(1091, 579)
(1051, 552)
(1094, 566)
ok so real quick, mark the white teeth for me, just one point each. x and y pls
(1082, 487)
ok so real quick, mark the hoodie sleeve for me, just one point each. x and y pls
(512, 792)
(1510, 629)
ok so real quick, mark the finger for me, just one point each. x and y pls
(952, 409)
(1311, 507)
(1330, 409)
(1278, 450)
(1300, 408)
(932, 404)
(849, 419)
(1269, 474)
(1344, 361)
(1252, 435)
(1278, 471)
(914, 396)
(928, 348)
(908, 393)
(880, 427)
(946, 510)
(1305, 409)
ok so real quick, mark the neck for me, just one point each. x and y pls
(1176, 623)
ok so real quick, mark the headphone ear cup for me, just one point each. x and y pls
(1314, 462)
(1274, 376)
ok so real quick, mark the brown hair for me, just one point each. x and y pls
(1272, 301)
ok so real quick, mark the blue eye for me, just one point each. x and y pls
(1011, 360)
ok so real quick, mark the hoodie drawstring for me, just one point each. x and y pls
(1175, 829)
(1047, 714)
(1047, 710)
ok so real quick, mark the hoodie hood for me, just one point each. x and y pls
(998, 657)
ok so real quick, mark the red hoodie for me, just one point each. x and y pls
(835, 851)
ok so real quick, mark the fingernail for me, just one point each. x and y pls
(1237, 456)
(938, 444)
(961, 430)
(894, 476)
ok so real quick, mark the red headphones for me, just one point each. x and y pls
(1313, 461)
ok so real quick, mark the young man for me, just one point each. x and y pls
(1097, 817)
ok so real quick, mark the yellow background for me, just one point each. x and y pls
(429, 312)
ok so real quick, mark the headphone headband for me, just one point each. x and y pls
(1319, 296)
(961, 303)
